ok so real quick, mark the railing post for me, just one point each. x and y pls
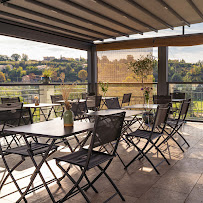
(45, 91)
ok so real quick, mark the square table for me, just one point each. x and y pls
(54, 130)
(40, 107)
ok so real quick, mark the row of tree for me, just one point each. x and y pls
(32, 71)
(178, 70)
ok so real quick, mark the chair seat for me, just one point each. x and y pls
(144, 134)
(37, 148)
(174, 122)
(79, 158)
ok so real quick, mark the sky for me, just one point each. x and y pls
(37, 50)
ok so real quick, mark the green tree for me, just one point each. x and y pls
(4, 58)
(15, 57)
(82, 75)
(24, 57)
(2, 77)
(176, 78)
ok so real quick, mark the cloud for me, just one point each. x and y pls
(36, 50)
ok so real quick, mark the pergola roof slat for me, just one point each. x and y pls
(78, 6)
(125, 14)
(133, 3)
(65, 13)
(170, 9)
(195, 8)
(46, 25)
(56, 20)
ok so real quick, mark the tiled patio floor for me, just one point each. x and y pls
(182, 181)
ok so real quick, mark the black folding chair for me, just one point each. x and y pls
(155, 134)
(10, 116)
(178, 95)
(112, 103)
(79, 109)
(161, 99)
(58, 110)
(107, 129)
(27, 148)
(93, 102)
(126, 99)
(5, 100)
(98, 99)
(176, 124)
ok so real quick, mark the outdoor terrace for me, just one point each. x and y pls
(182, 181)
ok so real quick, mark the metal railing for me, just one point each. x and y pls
(195, 92)
(27, 92)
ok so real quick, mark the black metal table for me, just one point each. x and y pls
(53, 130)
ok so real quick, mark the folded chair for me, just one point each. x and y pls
(176, 124)
(107, 129)
(161, 99)
(79, 109)
(58, 110)
(27, 148)
(98, 99)
(112, 103)
(126, 99)
(152, 137)
(5, 100)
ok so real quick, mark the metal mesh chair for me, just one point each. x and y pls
(159, 123)
(10, 100)
(57, 110)
(30, 149)
(97, 102)
(176, 124)
(178, 95)
(107, 129)
(112, 103)
(79, 109)
(11, 115)
(161, 99)
(126, 99)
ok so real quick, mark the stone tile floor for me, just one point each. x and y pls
(182, 181)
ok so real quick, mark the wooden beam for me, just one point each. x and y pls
(180, 40)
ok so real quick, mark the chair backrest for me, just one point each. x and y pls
(5, 100)
(55, 98)
(161, 116)
(112, 103)
(178, 95)
(84, 95)
(79, 109)
(10, 114)
(184, 109)
(107, 129)
(126, 98)
(98, 101)
(162, 99)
